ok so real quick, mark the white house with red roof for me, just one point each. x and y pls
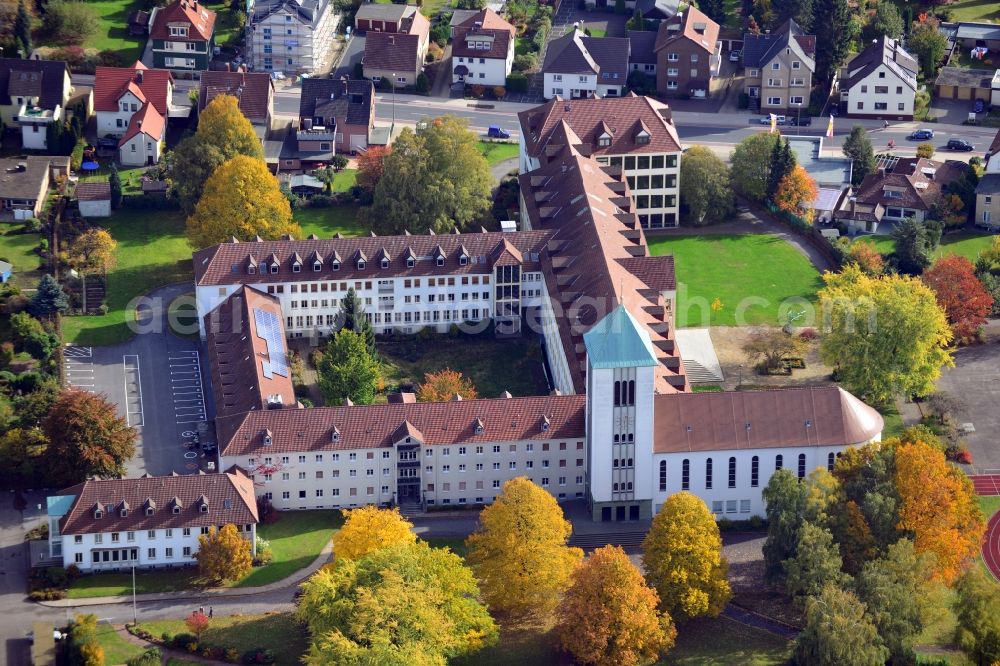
(482, 51)
(132, 104)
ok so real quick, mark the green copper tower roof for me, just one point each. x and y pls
(619, 341)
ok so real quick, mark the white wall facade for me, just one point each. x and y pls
(572, 86)
(881, 93)
(484, 71)
(116, 122)
(138, 150)
(282, 42)
(654, 180)
(34, 136)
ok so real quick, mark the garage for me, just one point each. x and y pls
(963, 84)
(359, 143)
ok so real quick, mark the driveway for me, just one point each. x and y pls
(157, 380)
(974, 383)
(351, 55)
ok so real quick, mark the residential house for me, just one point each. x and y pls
(132, 105)
(183, 35)
(688, 54)
(482, 51)
(138, 22)
(25, 181)
(335, 116)
(778, 67)
(988, 201)
(632, 133)
(970, 35)
(642, 56)
(374, 17)
(880, 82)
(33, 94)
(94, 199)
(578, 66)
(901, 188)
(147, 522)
(295, 36)
(651, 10)
(253, 90)
(398, 57)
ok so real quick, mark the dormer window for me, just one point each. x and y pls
(361, 264)
(385, 263)
(296, 267)
(335, 266)
(176, 509)
(463, 260)
(274, 268)
(268, 439)
(252, 270)
(604, 140)
(336, 436)
(409, 262)
(479, 427)
(440, 261)
(317, 266)
(204, 507)
(149, 511)
(123, 513)
(545, 424)
(98, 514)
(642, 138)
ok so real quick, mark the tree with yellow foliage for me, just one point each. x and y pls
(938, 506)
(223, 554)
(369, 529)
(444, 385)
(682, 556)
(519, 552)
(609, 616)
(241, 199)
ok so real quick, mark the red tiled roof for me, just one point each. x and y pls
(230, 498)
(146, 120)
(373, 426)
(111, 82)
(816, 416)
(400, 50)
(995, 145)
(93, 192)
(622, 115)
(201, 21)
(490, 25)
(253, 90)
(919, 182)
(656, 272)
(215, 265)
(694, 26)
(236, 353)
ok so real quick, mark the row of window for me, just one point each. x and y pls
(794, 100)
(673, 71)
(434, 316)
(646, 202)
(127, 555)
(449, 297)
(658, 220)
(883, 106)
(411, 472)
(775, 67)
(640, 162)
(581, 78)
(779, 462)
(654, 182)
(673, 57)
(497, 483)
(882, 90)
(115, 537)
(444, 452)
(482, 61)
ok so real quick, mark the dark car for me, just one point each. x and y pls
(960, 144)
(805, 121)
(497, 132)
(979, 106)
(922, 135)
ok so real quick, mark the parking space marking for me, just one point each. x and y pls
(78, 367)
(133, 389)
(186, 386)
(78, 352)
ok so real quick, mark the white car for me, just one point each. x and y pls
(734, 56)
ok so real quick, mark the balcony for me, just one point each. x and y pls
(33, 115)
(715, 61)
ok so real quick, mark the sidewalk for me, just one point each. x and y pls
(207, 593)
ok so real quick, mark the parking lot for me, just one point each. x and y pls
(157, 382)
(974, 383)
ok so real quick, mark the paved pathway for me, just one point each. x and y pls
(208, 593)
(501, 169)
(758, 621)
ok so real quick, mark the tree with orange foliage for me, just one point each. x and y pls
(960, 294)
(867, 257)
(444, 385)
(371, 166)
(796, 192)
(938, 506)
(609, 615)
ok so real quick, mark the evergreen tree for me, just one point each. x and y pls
(916, 243)
(348, 371)
(22, 29)
(859, 148)
(886, 21)
(800, 11)
(49, 298)
(116, 187)
(834, 31)
(782, 163)
(353, 318)
(714, 9)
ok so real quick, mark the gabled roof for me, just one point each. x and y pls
(111, 82)
(43, 79)
(989, 184)
(230, 498)
(575, 53)
(253, 90)
(692, 26)
(883, 51)
(309, 12)
(199, 19)
(93, 192)
(371, 11)
(619, 341)
(399, 50)
(147, 120)
(759, 50)
(734, 420)
(488, 20)
(351, 102)
(657, 10)
(919, 182)
(490, 29)
(641, 44)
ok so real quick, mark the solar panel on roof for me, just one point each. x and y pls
(269, 329)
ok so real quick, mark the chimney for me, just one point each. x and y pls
(854, 205)
(138, 76)
(343, 85)
(227, 67)
(392, 40)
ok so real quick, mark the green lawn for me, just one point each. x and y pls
(596, 32)
(751, 274)
(964, 244)
(116, 649)
(884, 244)
(226, 32)
(19, 250)
(279, 632)
(120, 584)
(973, 10)
(893, 421)
(131, 179)
(429, 8)
(113, 33)
(296, 540)
(325, 222)
(152, 251)
(988, 504)
(345, 180)
(721, 641)
(493, 366)
(495, 153)
(456, 546)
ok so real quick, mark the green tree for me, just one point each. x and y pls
(637, 22)
(928, 45)
(816, 563)
(916, 244)
(49, 298)
(977, 608)
(86, 438)
(706, 193)
(31, 336)
(241, 199)
(835, 30)
(397, 606)
(800, 11)
(750, 164)
(348, 370)
(223, 555)
(858, 147)
(22, 29)
(886, 21)
(620, 7)
(682, 556)
(714, 9)
(886, 335)
(519, 553)
(115, 181)
(353, 318)
(784, 500)
(894, 589)
(432, 181)
(782, 164)
(838, 632)
(339, 163)
(223, 133)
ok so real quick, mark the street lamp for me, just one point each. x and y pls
(798, 119)
(135, 613)
(392, 127)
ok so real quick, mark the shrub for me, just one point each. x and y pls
(808, 334)
(423, 83)
(258, 656)
(73, 572)
(183, 641)
(232, 656)
(56, 576)
(151, 657)
(517, 82)
(31, 226)
(526, 62)
(167, 637)
(478, 91)
(499, 92)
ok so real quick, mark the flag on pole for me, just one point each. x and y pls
(829, 128)
(774, 123)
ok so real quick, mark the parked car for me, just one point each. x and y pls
(960, 144)
(497, 132)
(921, 135)
(766, 120)
(979, 106)
(734, 56)
(804, 121)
